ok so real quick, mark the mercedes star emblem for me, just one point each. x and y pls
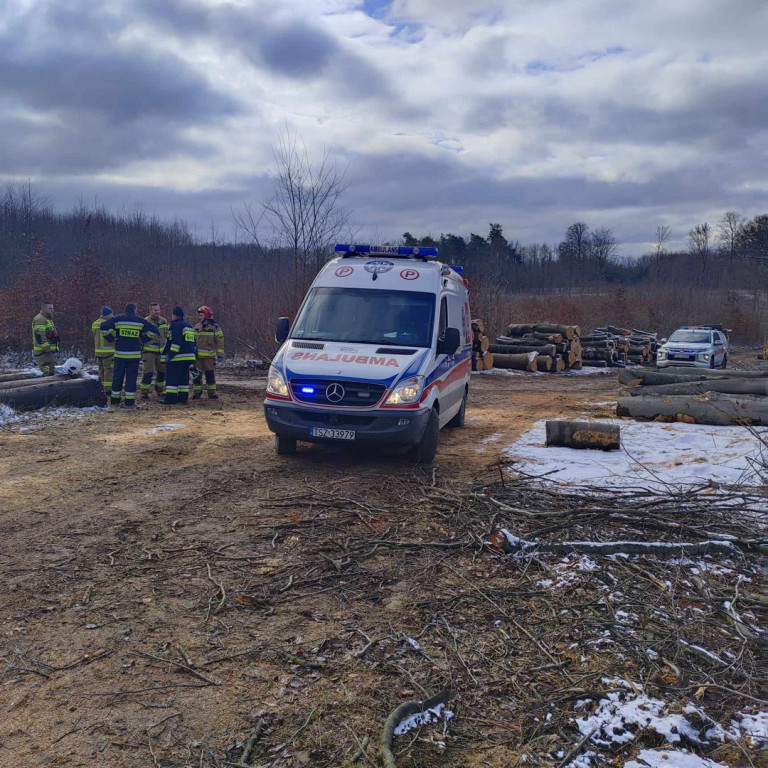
(334, 392)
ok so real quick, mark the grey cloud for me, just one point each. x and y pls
(288, 47)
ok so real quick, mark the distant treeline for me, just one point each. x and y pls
(89, 257)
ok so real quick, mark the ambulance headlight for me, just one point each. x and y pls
(407, 391)
(705, 357)
(662, 354)
(276, 383)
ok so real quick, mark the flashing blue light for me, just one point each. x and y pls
(459, 270)
(392, 250)
(308, 390)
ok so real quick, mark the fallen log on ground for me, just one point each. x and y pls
(75, 392)
(505, 541)
(653, 377)
(407, 709)
(712, 408)
(17, 376)
(583, 434)
(726, 386)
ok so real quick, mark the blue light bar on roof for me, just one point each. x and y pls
(456, 268)
(420, 251)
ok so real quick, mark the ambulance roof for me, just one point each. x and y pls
(386, 271)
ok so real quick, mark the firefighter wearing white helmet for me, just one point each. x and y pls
(70, 367)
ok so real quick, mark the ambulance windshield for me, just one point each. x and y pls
(365, 316)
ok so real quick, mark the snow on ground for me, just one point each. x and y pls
(169, 427)
(666, 758)
(423, 718)
(652, 454)
(620, 717)
(29, 421)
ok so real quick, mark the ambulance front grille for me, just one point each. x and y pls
(340, 393)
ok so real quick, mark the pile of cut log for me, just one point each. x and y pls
(482, 359)
(25, 391)
(695, 396)
(547, 347)
(615, 347)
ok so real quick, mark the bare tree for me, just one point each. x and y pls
(604, 248)
(699, 243)
(304, 213)
(729, 232)
(663, 235)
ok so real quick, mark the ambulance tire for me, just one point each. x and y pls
(285, 446)
(461, 416)
(425, 450)
(725, 361)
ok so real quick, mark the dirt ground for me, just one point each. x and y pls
(166, 592)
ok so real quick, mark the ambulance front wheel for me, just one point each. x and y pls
(285, 446)
(425, 450)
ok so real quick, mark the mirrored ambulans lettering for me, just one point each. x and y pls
(339, 358)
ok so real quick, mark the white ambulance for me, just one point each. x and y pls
(380, 352)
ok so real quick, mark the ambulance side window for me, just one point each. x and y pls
(443, 318)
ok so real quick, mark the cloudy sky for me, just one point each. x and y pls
(447, 114)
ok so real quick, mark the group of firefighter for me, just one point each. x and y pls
(169, 352)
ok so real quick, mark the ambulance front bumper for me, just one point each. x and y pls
(401, 427)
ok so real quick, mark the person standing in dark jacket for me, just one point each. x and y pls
(180, 354)
(132, 331)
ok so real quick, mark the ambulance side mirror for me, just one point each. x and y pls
(450, 343)
(282, 329)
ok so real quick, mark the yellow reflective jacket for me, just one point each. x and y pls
(209, 339)
(45, 337)
(103, 341)
(157, 343)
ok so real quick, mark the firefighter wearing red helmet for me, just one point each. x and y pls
(210, 349)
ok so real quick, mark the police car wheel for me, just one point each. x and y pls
(285, 446)
(712, 361)
(425, 450)
(460, 417)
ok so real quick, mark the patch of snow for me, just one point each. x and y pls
(617, 718)
(671, 758)
(32, 421)
(653, 455)
(169, 427)
(587, 370)
(494, 436)
(753, 726)
(423, 718)
(413, 644)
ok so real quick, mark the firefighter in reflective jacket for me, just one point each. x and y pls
(104, 346)
(210, 348)
(152, 353)
(130, 328)
(45, 339)
(180, 355)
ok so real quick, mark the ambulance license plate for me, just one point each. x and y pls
(334, 434)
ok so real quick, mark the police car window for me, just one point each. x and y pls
(691, 337)
(365, 316)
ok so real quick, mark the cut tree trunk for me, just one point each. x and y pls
(17, 376)
(544, 363)
(568, 331)
(521, 362)
(74, 392)
(726, 386)
(583, 434)
(712, 408)
(595, 363)
(514, 349)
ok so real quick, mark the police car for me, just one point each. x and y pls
(380, 352)
(698, 346)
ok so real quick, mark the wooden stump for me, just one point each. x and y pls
(583, 434)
